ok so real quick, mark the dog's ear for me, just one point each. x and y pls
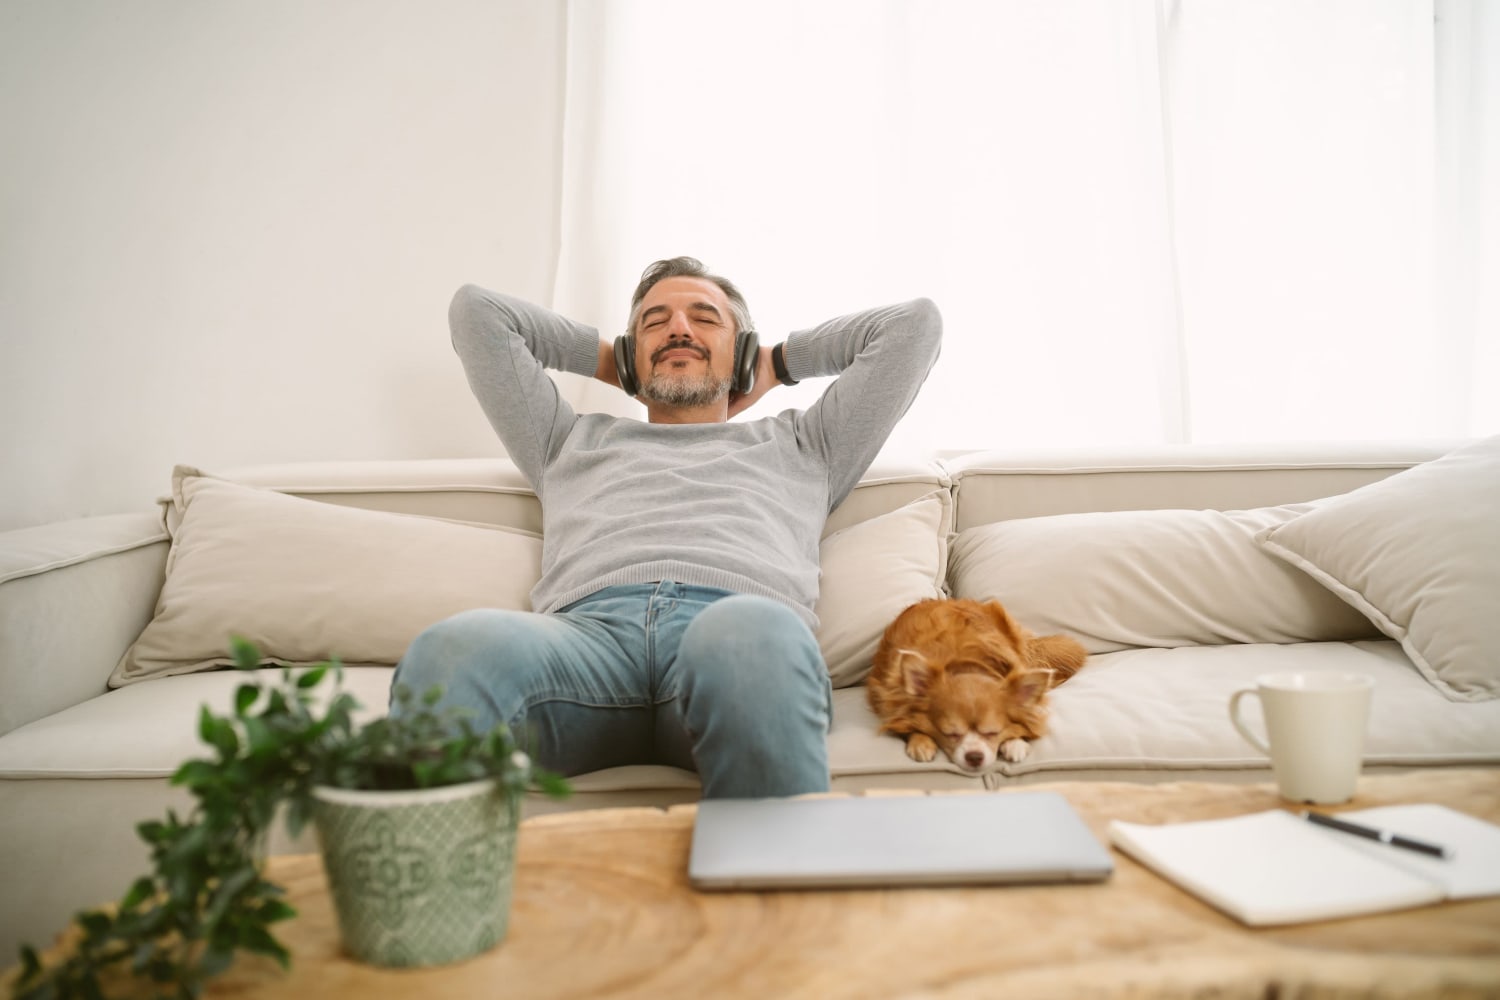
(1006, 624)
(1028, 686)
(915, 673)
(1057, 653)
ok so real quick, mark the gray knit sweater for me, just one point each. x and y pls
(737, 505)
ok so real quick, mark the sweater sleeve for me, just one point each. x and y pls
(881, 357)
(506, 345)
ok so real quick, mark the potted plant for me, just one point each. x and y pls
(416, 817)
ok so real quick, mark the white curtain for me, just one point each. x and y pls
(1144, 220)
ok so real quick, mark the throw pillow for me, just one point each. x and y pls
(1149, 578)
(871, 572)
(306, 580)
(1419, 553)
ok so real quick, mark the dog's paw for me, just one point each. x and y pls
(920, 747)
(1015, 751)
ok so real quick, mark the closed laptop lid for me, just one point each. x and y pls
(893, 840)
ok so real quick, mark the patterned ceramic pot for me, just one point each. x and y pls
(420, 877)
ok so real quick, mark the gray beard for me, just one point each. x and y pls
(685, 390)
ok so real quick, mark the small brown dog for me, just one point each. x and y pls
(963, 676)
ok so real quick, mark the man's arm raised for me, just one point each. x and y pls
(607, 372)
(505, 344)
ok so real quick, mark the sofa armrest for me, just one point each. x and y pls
(73, 596)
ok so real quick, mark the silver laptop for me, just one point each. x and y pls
(893, 841)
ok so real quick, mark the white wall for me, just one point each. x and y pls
(229, 230)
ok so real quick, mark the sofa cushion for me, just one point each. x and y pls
(1150, 578)
(148, 730)
(871, 571)
(1174, 718)
(1139, 711)
(305, 580)
(1419, 553)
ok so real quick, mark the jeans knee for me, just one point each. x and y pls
(750, 641)
(443, 650)
(755, 700)
(482, 657)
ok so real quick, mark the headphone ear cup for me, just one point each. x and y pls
(625, 364)
(746, 357)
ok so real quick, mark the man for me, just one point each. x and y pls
(674, 618)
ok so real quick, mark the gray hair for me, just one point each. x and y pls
(688, 267)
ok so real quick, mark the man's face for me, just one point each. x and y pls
(684, 342)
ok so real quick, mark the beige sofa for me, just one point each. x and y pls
(1186, 571)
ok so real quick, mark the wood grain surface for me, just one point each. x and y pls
(602, 908)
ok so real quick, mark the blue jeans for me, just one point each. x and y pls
(730, 685)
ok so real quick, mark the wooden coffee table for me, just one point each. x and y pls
(602, 908)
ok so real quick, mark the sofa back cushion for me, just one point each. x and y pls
(874, 569)
(994, 486)
(1150, 578)
(306, 581)
(1420, 554)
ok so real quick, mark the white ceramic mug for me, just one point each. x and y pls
(1315, 724)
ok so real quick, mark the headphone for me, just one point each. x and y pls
(746, 354)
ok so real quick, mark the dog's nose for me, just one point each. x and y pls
(974, 758)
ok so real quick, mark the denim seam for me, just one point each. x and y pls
(572, 699)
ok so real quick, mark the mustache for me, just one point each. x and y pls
(656, 354)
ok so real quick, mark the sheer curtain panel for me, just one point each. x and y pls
(1145, 222)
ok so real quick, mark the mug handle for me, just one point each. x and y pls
(1234, 717)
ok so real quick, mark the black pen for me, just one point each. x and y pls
(1371, 833)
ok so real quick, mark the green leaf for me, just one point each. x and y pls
(244, 697)
(260, 941)
(153, 831)
(217, 733)
(196, 774)
(552, 785)
(95, 922)
(273, 910)
(262, 741)
(312, 678)
(140, 891)
(246, 656)
(224, 895)
(425, 773)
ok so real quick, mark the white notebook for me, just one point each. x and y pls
(1275, 867)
